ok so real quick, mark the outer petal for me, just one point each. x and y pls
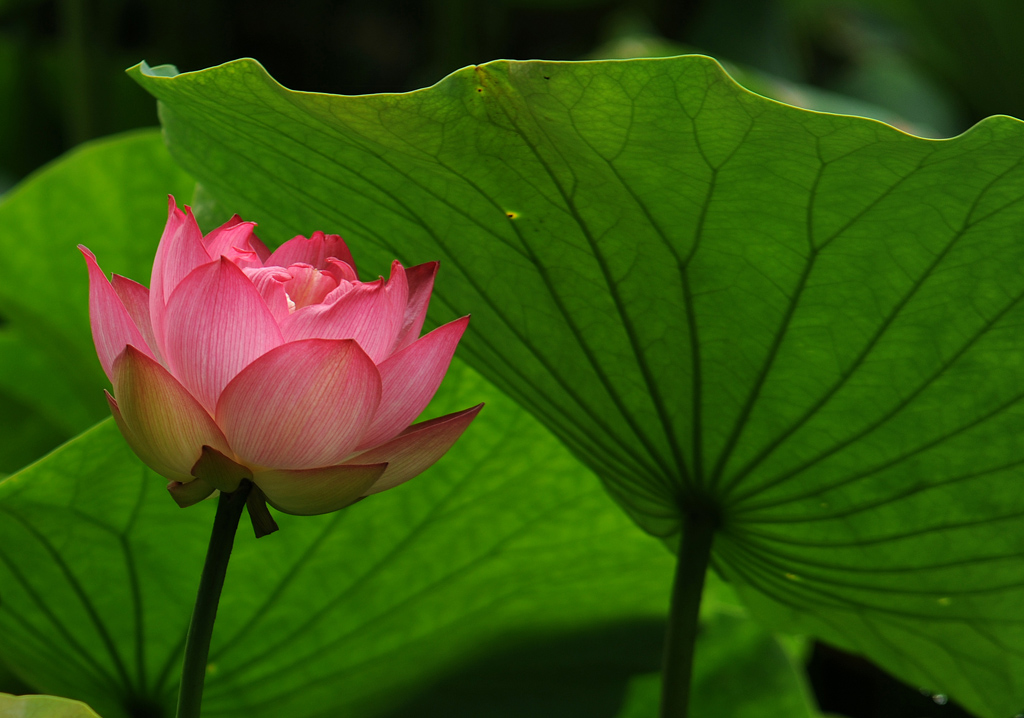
(314, 251)
(371, 313)
(189, 494)
(135, 299)
(303, 405)
(409, 380)
(180, 251)
(112, 326)
(141, 450)
(233, 240)
(421, 284)
(317, 491)
(416, 449)
(217, 323)
(168, 427)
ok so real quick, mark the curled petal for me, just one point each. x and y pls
(270, 283)
(303, 405)
(135, 299)
(234, 241)
(167, 427)
(315, 251)
(421, 285)
(341, 271)
(180, 251)
(217, 323)
(317, 491)
(416, 449)
(112, 325)
(189, 494)
(255, 244)
(409, 380)
(371, 313)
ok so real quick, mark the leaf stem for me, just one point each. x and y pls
(197, 646)
(691, 567)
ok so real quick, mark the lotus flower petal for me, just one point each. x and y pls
(341, 271)
(409, 380)
(255, 244)
(421, 285)
(141, 450)
(166, 425)
(217, 323)
(317, 491)
(416, 449)
(303, 405)
(314, 251)
(308, 285)
(135, 299)
(180, 251)
(270, 283)
(112, 326)
(189, 494)
(371, 313)
(234, 240)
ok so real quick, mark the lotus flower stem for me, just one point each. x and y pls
(197, 646)
(684, 616)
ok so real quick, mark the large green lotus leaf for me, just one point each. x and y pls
(807, 324)
(109, 195)
(508, 542)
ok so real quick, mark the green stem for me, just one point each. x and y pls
(197, 645)
(692, 565)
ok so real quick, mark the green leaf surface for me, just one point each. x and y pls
(109, 195)
(42, 707)
(507, 543)
(808, 324)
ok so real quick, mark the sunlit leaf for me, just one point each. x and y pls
(42, 707)
(808, 325)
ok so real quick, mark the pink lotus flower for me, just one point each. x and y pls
(283, 362)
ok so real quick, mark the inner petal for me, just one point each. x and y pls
(308, 285)
(270, 282)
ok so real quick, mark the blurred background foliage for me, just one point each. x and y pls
(933, 67)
